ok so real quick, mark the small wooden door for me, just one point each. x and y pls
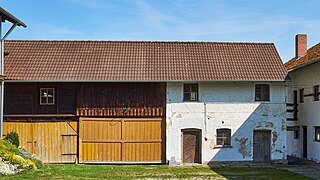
(261, 146)
(305, 142)
(191, 146)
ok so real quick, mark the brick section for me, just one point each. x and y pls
(141, 61)
(301, 45)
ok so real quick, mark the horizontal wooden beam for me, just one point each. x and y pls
(121, 141)
(292, 119)
(307, 95)
(39, 115)
(121, 162)
(83, 119)
(292, 110)
(293, 128)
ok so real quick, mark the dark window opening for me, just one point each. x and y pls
(190, 92)
(316, 93)
(262, 92)
(301, 98)
(296, 134)
(224, 137)
(317, 133)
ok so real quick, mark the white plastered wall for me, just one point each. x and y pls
(308, 112)
(226, 105)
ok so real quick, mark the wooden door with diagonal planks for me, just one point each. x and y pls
(121, 140)
(191, 146)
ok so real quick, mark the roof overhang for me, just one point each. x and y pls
(179, 81)
(304, 65)
(6, 16)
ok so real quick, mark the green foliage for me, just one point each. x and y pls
(13, 138)
(6, 146)
(18, 156)
(32, 157)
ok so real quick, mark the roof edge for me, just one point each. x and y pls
(136, 41)
(145, 80)
(304, 64)
(9, 17)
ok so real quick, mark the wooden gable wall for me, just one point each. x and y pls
(87, 99)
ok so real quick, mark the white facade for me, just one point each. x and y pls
(308, 112)
(226, 105)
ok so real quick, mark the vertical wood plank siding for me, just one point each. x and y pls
(88, 99)
(52, 142)
(121, 140)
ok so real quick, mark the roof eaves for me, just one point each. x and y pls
(145, 80)
(9, 17)
(303, 65)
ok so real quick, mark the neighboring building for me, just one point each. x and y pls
(303, 97)
(146, 102)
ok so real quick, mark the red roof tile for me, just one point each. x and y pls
(312, 54)
(141, 61)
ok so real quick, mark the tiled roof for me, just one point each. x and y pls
(141, 61)
(312, 54)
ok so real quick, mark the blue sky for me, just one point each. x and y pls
(276, 21)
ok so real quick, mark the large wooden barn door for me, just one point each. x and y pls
(261, 146)
(52, 142)
(191, 146)
(121, 140)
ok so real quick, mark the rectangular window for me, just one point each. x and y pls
(316, 93)
(317, 133)
(46, 96)
(224, 137)
(301, 91)
(262, 92)
(190, 92)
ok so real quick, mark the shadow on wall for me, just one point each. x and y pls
(268, 119)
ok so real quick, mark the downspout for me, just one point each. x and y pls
(2, 73)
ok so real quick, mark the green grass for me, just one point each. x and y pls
(144, 171)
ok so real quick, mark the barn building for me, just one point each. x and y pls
(146, 101)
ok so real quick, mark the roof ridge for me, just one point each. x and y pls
(141, 41)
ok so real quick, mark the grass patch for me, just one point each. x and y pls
(146, 171)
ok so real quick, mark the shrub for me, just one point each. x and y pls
(13, 138)
(16, 158)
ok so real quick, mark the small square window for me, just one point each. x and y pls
(301, 91)
(224, 137)
(190, 92)
(317, 133)
(316, 93)
(46, 96)
(262, 92)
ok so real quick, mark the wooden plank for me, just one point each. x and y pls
(48, 140)
(262, 146)
(191, 146)
(121, 139)
(39, 115)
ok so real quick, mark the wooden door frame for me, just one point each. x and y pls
(270, 144)
(200, 142)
